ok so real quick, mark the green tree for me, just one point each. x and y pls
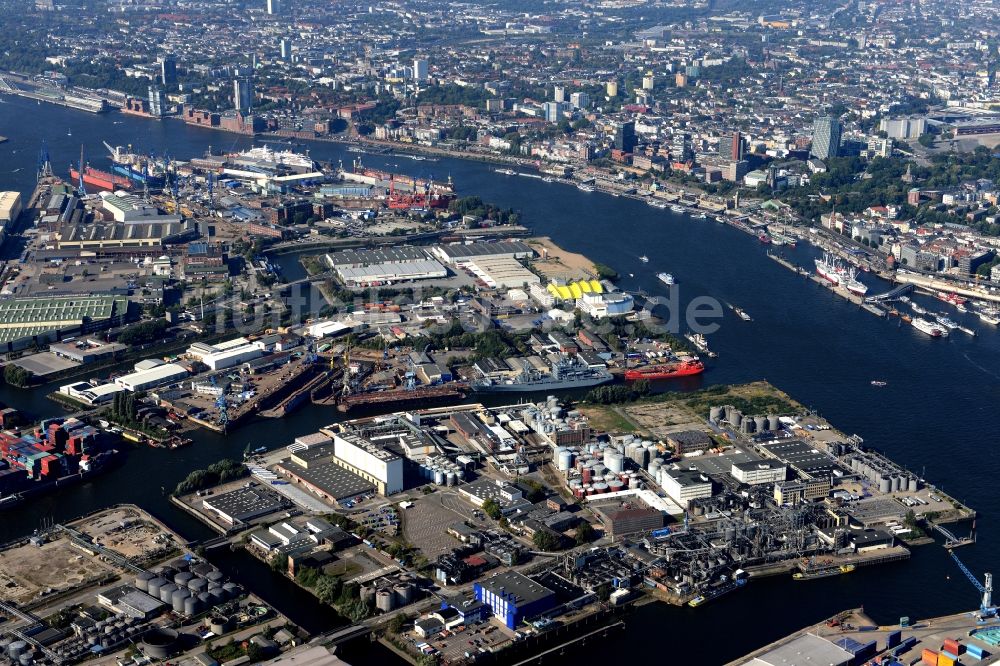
(545, 541)
(492, 509)
(17, 376)
(585, 533)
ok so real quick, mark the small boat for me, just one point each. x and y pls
(69, 132)
(810, 574)
(879, 382)
(991, 318)
(644, 259)
(583, 187)
(677, 209)
(961, 308)
(741, 313)
(699, 216)
(631, 275)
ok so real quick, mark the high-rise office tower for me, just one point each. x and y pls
(826, 137)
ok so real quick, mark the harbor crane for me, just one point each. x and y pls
(986, 607)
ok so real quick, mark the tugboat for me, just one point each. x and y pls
(879, 383)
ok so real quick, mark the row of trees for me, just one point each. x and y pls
(17, 376)
(223, 471)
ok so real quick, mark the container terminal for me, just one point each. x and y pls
(700, 496)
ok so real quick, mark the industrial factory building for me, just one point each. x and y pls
(630, 517)
(360, 268)
(148, 378)
(227, 354)
(682, 485)
(806, 649)
(369, 461)
(514, 597)
(757, 472)
(502, 272)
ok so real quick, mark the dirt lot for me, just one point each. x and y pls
(126, 532)
(28, 571)
(660, 419)
(607, 418)
(560, 263)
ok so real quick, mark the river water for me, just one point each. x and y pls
(933, 417)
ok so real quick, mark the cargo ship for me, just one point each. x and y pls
(930, 328)
(947, 323)
(823, 572)
(100, 179)
(672, 370)
(666, 278)
(565, 374)
(700, 343)
(718, 591)
(140, 169)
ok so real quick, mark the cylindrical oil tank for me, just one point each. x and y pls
(180, 564)
(205, 599)
(197, 585)
(614, 462)
(215, 577)
(142, 581)
(384, 600)
(450, 479)
(913, 485)
(773, 422)
(192, 606)
(220, 625)
(25, 659)
(897, 482)
(217, 594)
(600, 488)
(232, 590)
(17, 648)
(404, 593)
(748, 426)
(154, 585)
(177, 600)
(167, 572)
(760, 423)
(181, 579)
(587, 475)
(564, 460)
(654, 467)
(599, 469)
(615, 486)
(716, 413)
(885, 485)
(159, 642)
(438, 477)
(167, 592)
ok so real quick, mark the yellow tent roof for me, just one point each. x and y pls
(585, 286)
(597, 286)
(552, 289)
(565, 293)
(575, 290)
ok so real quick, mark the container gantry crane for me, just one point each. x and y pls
(986, 607)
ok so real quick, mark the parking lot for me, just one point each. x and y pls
(481, 637)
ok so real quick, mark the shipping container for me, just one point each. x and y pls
(929, 657)
(974, 651)
(892, 639)
(945, 659)
(951, 646)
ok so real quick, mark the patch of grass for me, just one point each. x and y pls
(607, 418)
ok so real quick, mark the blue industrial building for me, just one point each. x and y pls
(514, 597)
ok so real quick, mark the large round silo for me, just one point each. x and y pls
(773, 422)
(178, 598)
(232, 590)
(167, 572)
(215, 577)
(616, 486)
(736, 419)
(25, 659)
(439, 477)
(748, 426)
(897, 482)
(384, 600)
(167, 592)
(404, 593)
(716, 413)
(17, 648)
(613, 461)
(197, 585)
(192, 606)
(600, 488)
(142, 581)
(154, 585)
(913, 485)
(205, 599)
(760, 423)
(450, 479)
(182, 578)
(565, 460)
(217, 594)
(885, 485)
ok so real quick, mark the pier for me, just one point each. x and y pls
(892, 295)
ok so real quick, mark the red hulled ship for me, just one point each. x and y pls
(100, 179)
(666, 370)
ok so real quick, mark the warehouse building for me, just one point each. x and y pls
(10, 207)
(391, 273)
(689, 441)
(22, 319)
(607, 304)
(805, 649)
(242, 505)
(371, 462)
(227, 354)
(459, 254)
(502, 272)
(385, 255)
(143, 380)
(513, 597)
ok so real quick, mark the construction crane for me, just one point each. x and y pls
(986, 607)
(223, 411)
(81, 190)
